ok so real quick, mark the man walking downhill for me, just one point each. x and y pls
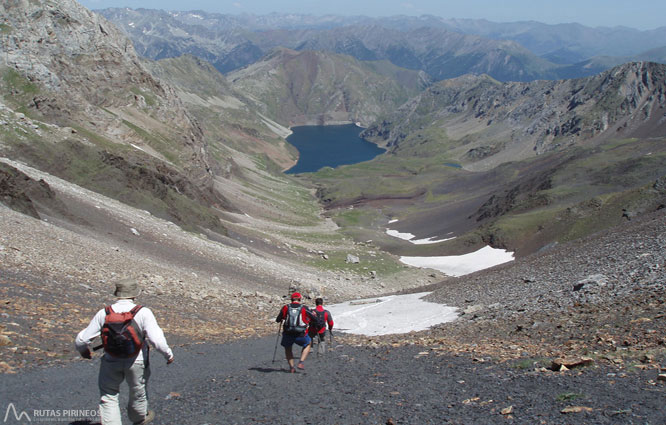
(125, 327)
(318, 325)
(296, 318)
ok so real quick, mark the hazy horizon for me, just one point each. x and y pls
(592, 13)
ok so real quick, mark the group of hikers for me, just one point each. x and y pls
(128, 330)
(301, 327)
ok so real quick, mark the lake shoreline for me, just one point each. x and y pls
(330, 145)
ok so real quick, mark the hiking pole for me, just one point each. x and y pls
(276, 340)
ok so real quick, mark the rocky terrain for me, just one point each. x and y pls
(484, 122)
(514, 165)
(198, 282)
(574, 334)
(166, 172)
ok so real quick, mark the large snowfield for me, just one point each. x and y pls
(398, 314)
(393, 314)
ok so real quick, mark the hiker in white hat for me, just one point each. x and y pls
(125, 327)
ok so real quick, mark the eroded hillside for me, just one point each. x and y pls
(513, 165)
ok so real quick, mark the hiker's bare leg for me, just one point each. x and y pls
(289, 354)
(305, 352)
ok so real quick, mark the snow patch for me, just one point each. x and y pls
(459, 265)
(396, 234)
(430, 240)
(410, 237)
(394, 314)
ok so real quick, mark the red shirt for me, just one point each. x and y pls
(305, 313)
(327, 317)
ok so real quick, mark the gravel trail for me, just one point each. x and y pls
(237, 383)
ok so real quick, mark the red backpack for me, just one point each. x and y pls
(121, 336)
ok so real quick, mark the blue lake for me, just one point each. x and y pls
(329, 146)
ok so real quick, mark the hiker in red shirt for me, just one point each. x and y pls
(296, 318)
(318, 325)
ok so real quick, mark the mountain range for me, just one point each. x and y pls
(444, 48)
(171, 172)
(519, 165)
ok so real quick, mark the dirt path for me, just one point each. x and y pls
(238, 383)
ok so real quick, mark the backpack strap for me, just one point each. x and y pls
(135, 310)
(108, 310)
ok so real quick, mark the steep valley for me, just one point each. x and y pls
(170, 172)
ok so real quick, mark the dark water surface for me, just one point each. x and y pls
(330, 146)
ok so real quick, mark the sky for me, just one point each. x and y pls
(640, 14)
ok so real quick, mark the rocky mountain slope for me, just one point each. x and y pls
(227, 116)
(111, 166)
(485, 123)
(310, 87)
(96, 116)
(83, 117)
(515, 165)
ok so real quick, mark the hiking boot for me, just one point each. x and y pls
(301, 366)
(150, 415)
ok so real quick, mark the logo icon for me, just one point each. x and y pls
(17, 416)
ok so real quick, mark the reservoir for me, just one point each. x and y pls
(329, 146)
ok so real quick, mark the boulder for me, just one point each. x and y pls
(570, 363)
(352, 259)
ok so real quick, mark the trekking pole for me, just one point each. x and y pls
(276, 340)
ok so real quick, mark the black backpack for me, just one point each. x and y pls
(293, 323)
(319, 321)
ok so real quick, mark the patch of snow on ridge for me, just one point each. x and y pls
(429, 240)
(394, 314)
(459, 265)
(410, 237)
(396, 234)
